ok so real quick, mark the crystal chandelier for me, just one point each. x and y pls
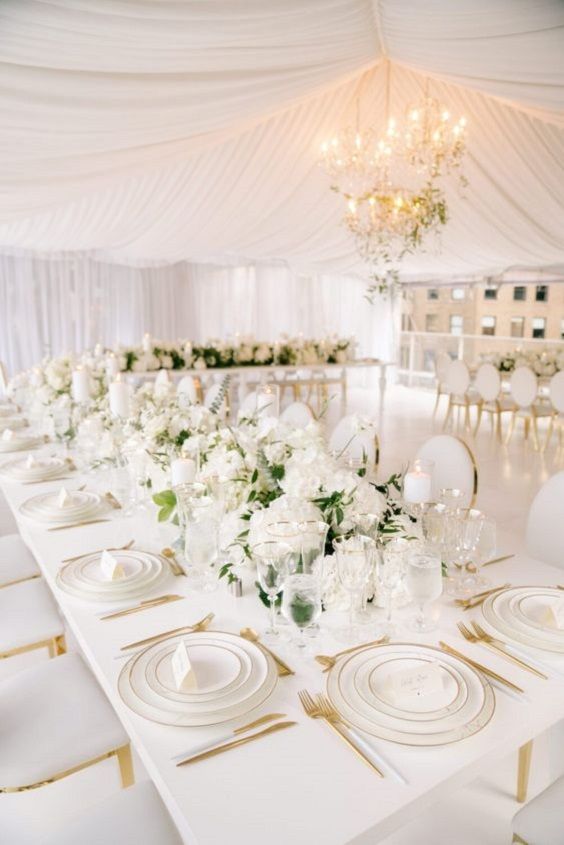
(390, 182)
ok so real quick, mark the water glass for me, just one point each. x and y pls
(272, 559)
(355, 563)
(424, 584)
(201, 542)
(301, 602)
(392, 561)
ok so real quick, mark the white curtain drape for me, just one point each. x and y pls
(67, 304)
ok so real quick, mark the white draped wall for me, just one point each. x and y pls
(64, 304)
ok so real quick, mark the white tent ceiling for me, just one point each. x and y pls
(162, 130)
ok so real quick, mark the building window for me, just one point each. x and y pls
(488, 325)
(517, 327)
(458, 293)
(541, 294)
(519, 293)
(431, 322)
(456, 324)
(539, 326)
(490, 293)
(432, 293)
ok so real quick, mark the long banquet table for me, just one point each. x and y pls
(302, 785)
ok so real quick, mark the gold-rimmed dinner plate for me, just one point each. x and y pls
(465, 707)
(499, 611)
(83, 579)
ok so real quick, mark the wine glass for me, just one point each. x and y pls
(391, 572)
(313, 536)
(301, 602)
(355, 562)
(424, 584)
(273, 562)
(287, 531)
(485, 550)
(467, 526)
(201, 542)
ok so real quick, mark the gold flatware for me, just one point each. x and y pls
(478, 598)
(45, 480)
(251, 635)
(78, 524)
(499, 646)
(197, 626)
(112, 501)
(280, 726)
(498, 559)
(323, 710)
(99, 552)
(175, 567)
(143, 606)
(20, 580)
(483, 669)
(328, 661)
(262, 720)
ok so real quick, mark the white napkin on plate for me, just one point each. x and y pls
(64, 499)
(112, 569)
(554, 613)
(184, 675)
(7, 434)
(30, 461)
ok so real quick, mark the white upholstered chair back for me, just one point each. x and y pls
(488, 382)
(454, 466)
(212, 394)
(524, 387)
(298, 414)
(346, 438)
(557, 391)
(249, 404)
(545, 526)
(457, 378)
(187, 389)
(442, 363)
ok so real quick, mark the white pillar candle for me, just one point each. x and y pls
(98, 350)
(417, 486)
(182, 471)
(147, 343)
(188, 348)
(81, 385)
(119, 398)
(112, 366)
(268, 401)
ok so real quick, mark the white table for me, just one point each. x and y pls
(302, 785)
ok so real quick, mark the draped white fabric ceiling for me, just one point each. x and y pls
(160, 130)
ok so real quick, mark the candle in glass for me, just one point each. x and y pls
(119, 398)
(417, 483)
(182, 471)
(81, 385)
(268, 400)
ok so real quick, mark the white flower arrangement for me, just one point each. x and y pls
(545, 363)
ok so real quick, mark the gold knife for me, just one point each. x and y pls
(99, 552)
(483, 669)
(143, 606)
(497, 559)
(166, 634)
(77, 524)
(280, 726)
(263, 720)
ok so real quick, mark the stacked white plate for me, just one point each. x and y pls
(19, 441)
(233, 677)
(522, 614)
(362, 690)
(80, 505)
(40, 469)
(85, 579)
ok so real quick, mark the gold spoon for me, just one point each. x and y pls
(328, 661)
(172, 561)
(251, 635)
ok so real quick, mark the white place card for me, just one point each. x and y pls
(30, 461)
(416, 682)
(184, 675)
(7, 434)
(111, 568)
(554, 614)
(64, 498)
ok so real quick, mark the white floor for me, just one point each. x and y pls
(476, 815)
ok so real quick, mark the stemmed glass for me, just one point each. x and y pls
(464, 537)
(273, 562)
(313, 536)
(391, 572)
(355, 561)
(485, 550)
(424, 584)
(301, 602)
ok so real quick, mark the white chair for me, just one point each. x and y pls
(29, 619)
(297, 414)
(442, 363)
(556, 393)
(488, 385)
(358, 445)
(134, 816)
(524, 392)
(545, 526)
(454, 467)
(249, 404)
(211, 397)
(541, 821)
(457, 383)
(56, 721)
(186, 389)
(17, 563)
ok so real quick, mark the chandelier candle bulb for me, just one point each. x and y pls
(182, 471)
(417, 485)
(119, 398)
(81, 385)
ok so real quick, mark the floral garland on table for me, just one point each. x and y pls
(545, 363)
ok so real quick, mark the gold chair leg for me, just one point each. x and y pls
(535, 431)
(510, 429)
(448, 413)
(125, 762)
(523, 770)
(548, 434)
(437, 401)
(498, 429)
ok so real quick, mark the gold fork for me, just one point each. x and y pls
(197, 626)
(328, 661)
(500, 646)
(479, 598)
(332, 718)
(481, 640)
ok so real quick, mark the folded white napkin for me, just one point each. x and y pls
(30, 461)
(554, 613)
(64, 498)
(184, 675)
(7, 434)
(112, 569)
(416, 682)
